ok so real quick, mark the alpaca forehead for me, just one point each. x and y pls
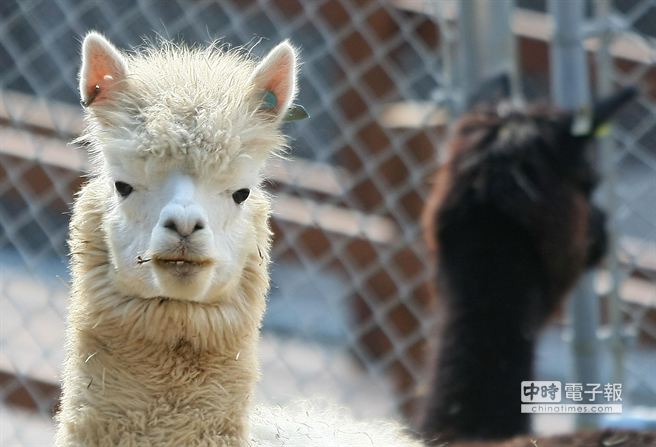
(205, 135)
(196, 102)
(193, 145)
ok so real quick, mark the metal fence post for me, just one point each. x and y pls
(486, 45)
(604, 64)
(570, 89)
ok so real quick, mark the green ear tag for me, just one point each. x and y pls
(269, 101)
(296, 112)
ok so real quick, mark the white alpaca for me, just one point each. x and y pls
(170, 252)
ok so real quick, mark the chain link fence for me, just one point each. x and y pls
(350, 313)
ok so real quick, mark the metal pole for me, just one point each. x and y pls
(447, 96)
(569, 73)
(469, 66)
(604, 64)
(486, 45)
(497, 41)
(570, 89)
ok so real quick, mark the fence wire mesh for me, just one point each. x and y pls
(350, 308)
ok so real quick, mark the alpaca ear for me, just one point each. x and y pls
(103, 69)
(606, 108)
(275, 80)
(588, 122)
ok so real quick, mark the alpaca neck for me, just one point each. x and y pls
(494, 300)
(126, 385)
(482, 359)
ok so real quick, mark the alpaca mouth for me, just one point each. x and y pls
(181, 266)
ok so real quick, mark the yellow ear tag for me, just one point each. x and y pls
(603, 130)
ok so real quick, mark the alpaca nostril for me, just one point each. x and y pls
(170, 225)
(198, 226)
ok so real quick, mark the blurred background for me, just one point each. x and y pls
(351, 311)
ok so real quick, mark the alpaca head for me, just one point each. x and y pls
(534, 170)
(179, 137)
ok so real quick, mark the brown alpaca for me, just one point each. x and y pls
(513, 226)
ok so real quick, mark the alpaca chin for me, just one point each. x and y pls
(184, 282)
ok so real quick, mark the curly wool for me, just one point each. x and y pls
(306, 424)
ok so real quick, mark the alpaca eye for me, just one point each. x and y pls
(240, 195)
(123, 188)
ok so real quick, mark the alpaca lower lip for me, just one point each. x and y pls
(181, 267)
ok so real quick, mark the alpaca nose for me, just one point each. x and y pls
(183, 230)
(183, 221)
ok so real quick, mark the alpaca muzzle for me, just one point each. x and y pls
(180, 267)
